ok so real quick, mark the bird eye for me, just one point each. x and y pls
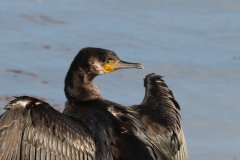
(107, 62)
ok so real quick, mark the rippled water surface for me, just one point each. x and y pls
(194, 44)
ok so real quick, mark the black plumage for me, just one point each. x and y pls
(121, 126)
(159, 113)
(90, 126)
(31, 129)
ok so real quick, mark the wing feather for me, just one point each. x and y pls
(31, 129)
(160, 116)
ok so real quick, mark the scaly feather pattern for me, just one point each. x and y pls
(124, 132)
(160, 116)
(31, 129)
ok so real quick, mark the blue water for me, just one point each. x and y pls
(194, 44)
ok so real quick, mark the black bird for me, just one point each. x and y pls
(91, 127)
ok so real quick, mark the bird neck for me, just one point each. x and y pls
(80, 86)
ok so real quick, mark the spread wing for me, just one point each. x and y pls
(160, 116)
(31, 129)
(133, 137)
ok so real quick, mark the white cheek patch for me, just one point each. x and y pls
(101, 72)
(98, 68)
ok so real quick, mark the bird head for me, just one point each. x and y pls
(97, 61)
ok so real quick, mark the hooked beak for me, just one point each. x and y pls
(114, 65)
(122, 64)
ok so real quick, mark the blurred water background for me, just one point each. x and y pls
(195, 44)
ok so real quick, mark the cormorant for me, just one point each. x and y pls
(90, 127)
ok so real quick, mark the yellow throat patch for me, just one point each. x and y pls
(108, 65)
